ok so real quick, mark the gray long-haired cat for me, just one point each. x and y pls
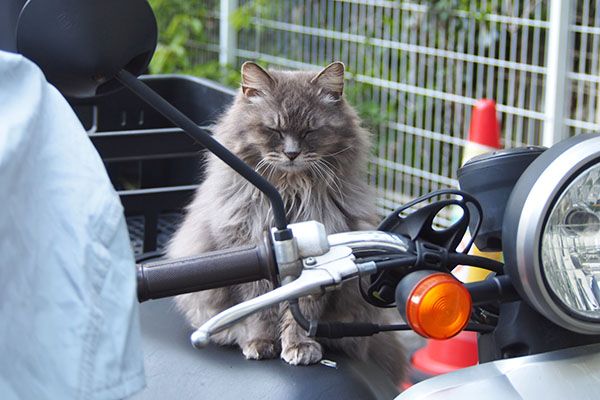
(296, 129)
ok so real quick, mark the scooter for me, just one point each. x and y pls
(536, 316)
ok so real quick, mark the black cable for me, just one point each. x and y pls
(297, 314)
(338, 329)
(453, 259)
(396, 262)
(397, 327)
(182, 121)
(475, 327)
(476, 261)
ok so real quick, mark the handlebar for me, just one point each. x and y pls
(324, 267)
(324, 273)
(370, 241)
(337, 265)
(211, 270)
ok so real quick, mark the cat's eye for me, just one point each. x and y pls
(275, 132)
(308, 132)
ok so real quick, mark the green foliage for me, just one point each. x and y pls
(178, 22)
(214, 71)
(181, 22)
(243, 16)
(443, 10)
(359, 95)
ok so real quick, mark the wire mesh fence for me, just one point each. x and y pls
(584, 108)
(420, 67)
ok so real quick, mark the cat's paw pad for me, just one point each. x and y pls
(260, 349)
(302, 353)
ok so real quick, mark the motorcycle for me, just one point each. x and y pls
(537, 315)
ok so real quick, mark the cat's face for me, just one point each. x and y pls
(296, 120)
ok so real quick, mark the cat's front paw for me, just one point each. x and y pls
(303, 353)
(260, 349)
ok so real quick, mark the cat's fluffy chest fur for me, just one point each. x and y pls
(298, 132)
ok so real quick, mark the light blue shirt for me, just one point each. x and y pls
(69, 322)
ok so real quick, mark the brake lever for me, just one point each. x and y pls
(319, 274)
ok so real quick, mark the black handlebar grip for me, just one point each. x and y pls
(208, 271)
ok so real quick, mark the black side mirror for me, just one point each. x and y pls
(82, 44)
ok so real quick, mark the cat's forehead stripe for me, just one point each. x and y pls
(279, 122)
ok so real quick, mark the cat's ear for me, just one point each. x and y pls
(331, 79)
(255, 80)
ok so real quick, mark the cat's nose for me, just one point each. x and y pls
(292, 154)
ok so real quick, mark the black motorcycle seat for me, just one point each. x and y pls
(175, 370)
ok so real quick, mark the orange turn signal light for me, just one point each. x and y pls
(438, 307)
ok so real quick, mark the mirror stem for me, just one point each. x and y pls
(180, 120)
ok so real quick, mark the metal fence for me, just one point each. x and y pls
(423, 67)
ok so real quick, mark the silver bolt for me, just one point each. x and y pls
(310, 261)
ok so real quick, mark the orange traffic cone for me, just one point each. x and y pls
(442, 356)
(484, 132)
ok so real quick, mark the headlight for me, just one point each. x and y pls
(571, 245)
(551, 234)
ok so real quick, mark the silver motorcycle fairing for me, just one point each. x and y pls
(562, 374)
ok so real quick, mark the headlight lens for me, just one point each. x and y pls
(570, 250)
(551, 234)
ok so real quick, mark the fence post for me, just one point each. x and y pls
(227, 33)
(556, 97)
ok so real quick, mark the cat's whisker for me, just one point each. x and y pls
(322, 174)
(333, 180)
(324, 168)
(338, 189)
(331, 165)
(328, 167)
(272, 171)
(269, 171)
(336, 173)
(324, 164)
(269, 168)
(291, 204)
(338, 152)
(311, 168)
(262, 163)
(326, 179)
